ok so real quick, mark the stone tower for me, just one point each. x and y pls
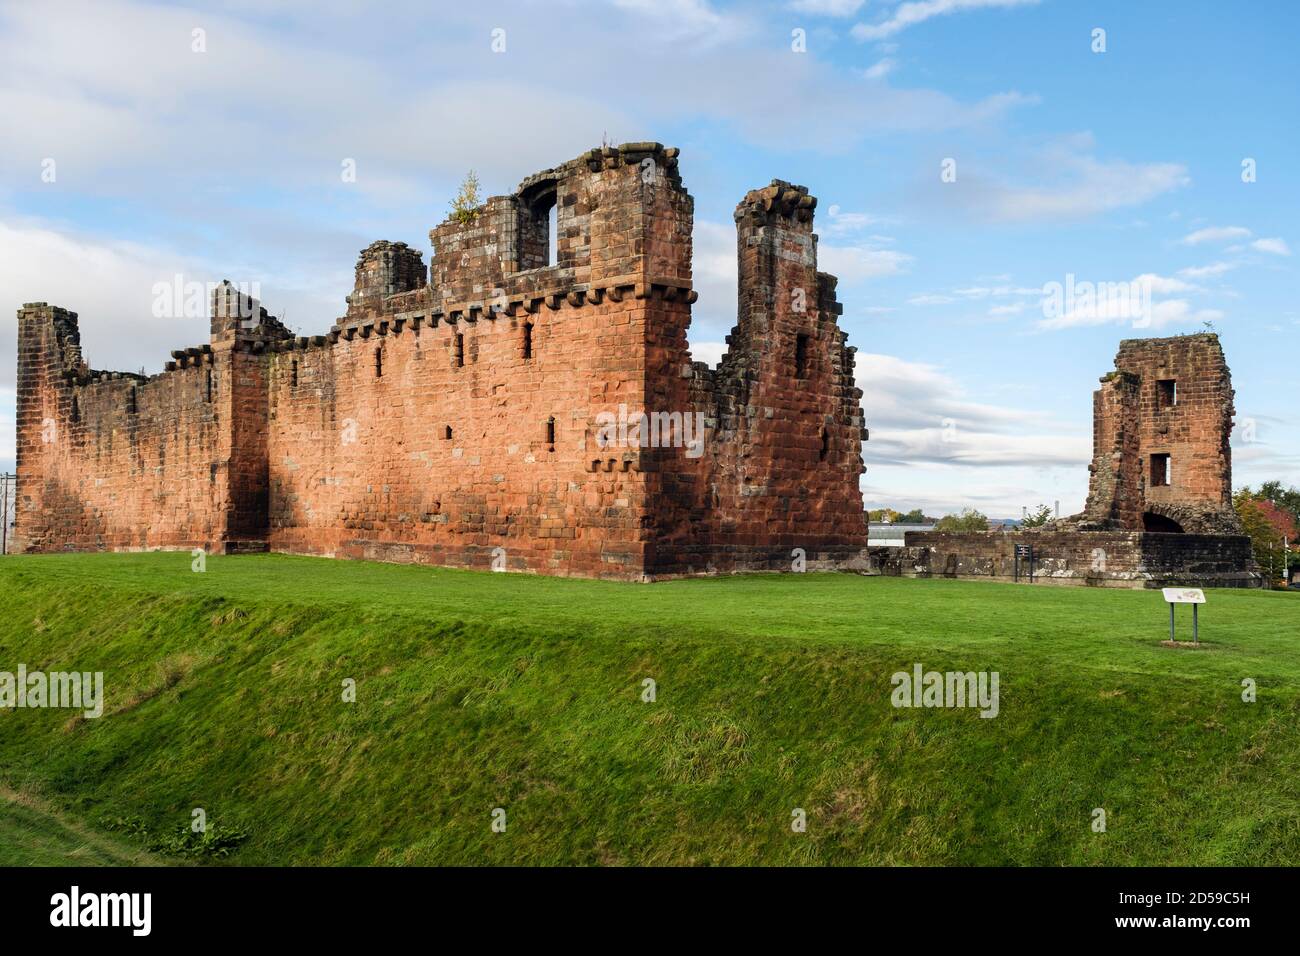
(1161, 427)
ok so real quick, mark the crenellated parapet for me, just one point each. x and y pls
(779, 202)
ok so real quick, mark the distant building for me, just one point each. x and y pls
(891, 535)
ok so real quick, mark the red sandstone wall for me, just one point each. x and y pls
(360, 465)
(1196, 430)
(118, 462)
(1115, 488)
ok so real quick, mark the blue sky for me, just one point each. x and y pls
(1108, 166)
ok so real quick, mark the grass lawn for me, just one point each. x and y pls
(478, 691)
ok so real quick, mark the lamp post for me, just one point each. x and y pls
(4, 513)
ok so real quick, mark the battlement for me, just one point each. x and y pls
(778, 201)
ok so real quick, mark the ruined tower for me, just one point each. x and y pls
(512, 407)
(1159, 510)
(1161, 427)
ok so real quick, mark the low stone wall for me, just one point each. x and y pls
(1131, 559)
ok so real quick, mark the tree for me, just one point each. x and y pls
(1265, 540)
(892, 516)
(465, 207)
(968, 520)
(1288, 499)
(1037, 518)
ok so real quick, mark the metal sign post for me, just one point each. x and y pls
(1024, 552)
(1192, 596)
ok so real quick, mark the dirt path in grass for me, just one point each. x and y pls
(32, 833)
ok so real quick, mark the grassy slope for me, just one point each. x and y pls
(478, 690)
(33, 834)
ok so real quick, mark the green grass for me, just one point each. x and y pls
(477, 691)
(32, 834)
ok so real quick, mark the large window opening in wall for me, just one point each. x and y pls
(528, 341)
(379, 363)
(1162, 471)
(1166, 393)
(801, 356)
(539, 233)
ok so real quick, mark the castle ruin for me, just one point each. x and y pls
(1159, 509)
(1162, 421)
(496, 410)
(517, 408)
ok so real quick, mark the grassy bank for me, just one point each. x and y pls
(483, 691)
(35, 834)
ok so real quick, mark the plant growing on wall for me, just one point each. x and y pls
(465, 207)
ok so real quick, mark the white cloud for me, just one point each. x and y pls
(121, 100)
(918, 11)
(880, 69)
(837, 222)
(1208, 271)
(710, 352)
(932, 447)
(1085, 186)
(827, 8)
(1215, 234)
(1164, 285)
(1179, 312)
(974, 293)
(1131, 302)
(714, 272)
(695, 20)
(1276, 246)
(856, 263)
(918, 414)
(8, 426)
(997, 292)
